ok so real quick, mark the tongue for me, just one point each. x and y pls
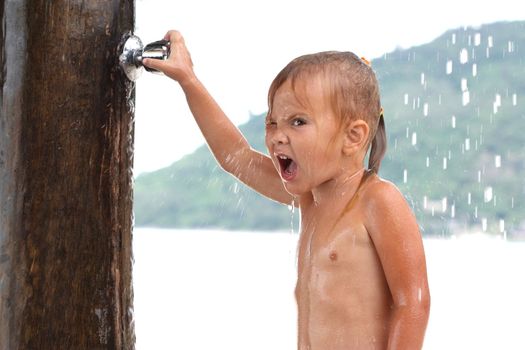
(290, 169)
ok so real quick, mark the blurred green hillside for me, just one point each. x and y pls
(455, 114)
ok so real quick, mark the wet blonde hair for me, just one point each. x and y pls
(353, 92)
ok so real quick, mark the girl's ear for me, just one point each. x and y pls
(355, 136)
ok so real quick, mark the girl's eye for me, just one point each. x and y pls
(298, 122)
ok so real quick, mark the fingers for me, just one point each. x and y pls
(154, 63)
(174, 36)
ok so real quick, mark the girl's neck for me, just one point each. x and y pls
(338, 189)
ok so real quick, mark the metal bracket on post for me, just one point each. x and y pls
(133, 52)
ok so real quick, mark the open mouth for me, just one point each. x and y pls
(287, 167)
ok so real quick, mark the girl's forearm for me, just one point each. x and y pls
(222, 136)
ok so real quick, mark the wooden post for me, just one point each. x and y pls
(66, 150)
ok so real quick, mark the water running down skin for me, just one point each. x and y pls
(362, 280)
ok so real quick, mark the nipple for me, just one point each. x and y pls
(333, 255)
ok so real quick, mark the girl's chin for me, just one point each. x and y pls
(294, 189)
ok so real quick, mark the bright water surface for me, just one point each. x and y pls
(200, 290)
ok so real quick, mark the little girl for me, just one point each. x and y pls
(362, 281)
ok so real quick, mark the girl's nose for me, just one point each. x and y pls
(278, 137)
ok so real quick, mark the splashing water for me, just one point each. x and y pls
(444, 205)
(484, 224)
(465, 98)
(477, 39)
(405, 176)
(449, 67)
(414, 139)
(497, 161)
(497, 103)
(474, 69)
(463, 56)
(291, 208)
(464, 86)
(487, 194)
(514, 99)
(467, 144)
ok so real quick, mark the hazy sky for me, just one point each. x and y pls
(239, 46)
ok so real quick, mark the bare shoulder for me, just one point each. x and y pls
(381, 192)
(384, 208)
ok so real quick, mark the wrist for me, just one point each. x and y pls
(188, 82)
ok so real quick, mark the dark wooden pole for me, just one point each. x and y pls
(66, 149)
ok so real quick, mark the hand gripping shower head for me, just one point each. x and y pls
(133, 52)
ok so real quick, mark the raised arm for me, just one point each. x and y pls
(395, 234)
(228, 145)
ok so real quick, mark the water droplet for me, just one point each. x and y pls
(479, 176)
(414, 139)
(453, 38)
(407, 132)
(476, 211)
(512, 202)
(444, 163)
(490, 41)
(464, 86)
(453, 122)
(469, 198)
(463, 56)
(477, 39)
(405, 176)
(453, 211)
(465, 100)
(444, 205)
(449, 67)
(484, 224)
(487, 194)
(406, 99)
(425, 202)
(428, 162)
(510, 46)
(467, 144)
(474, 70)
(514, 99)
(291, 208)
(497, 161)
(422, 78)
(425, 109)
(497, 103)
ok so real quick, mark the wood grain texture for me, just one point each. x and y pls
(66, 154)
